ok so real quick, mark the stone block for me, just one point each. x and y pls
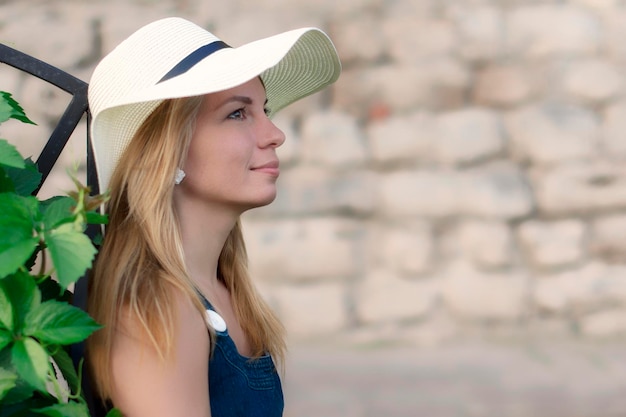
(401, 88)
(408, 7)
(11, 79)
(488, 244)
(74, 155)
(481, 28)
(607, 239)
(114, 29)
(600, 5)
(449, 80)
(385, 297)
(315, 191)
(309, 250)
(431, 333)
(614, 33)
(472, 295)
(504, 85)
(323, 9)
(289, 152)
(553, 244)
(419, 193)
(498, 191)
(51, 37)
(430, 37)
(241, 25)
(332, 139)
(582, 290)
(311, 310)
(467, 136)
(354, 192)
(44, 101)
(550, 133)
(603, 324)
(407, 250)
(541, 30)
(440, 83)
(356, 42)
(579, 188)
(613, 128)
(593, 81)
(402, 139)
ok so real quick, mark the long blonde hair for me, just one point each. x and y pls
(141, 260)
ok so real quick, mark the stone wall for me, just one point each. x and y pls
(464, 176)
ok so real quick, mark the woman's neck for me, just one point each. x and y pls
(204, 231)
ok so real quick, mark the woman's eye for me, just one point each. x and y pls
(237, 114)
(267, 111)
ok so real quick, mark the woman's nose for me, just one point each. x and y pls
(273, 137)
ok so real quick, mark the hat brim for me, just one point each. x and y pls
(292, 65)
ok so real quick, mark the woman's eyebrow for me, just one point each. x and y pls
(240, 99)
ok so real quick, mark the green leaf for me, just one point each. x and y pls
(17, 231)
(66, 365)
(9, 155)
(53, 322)
(6, 311)
(94, 217)
(23, 296)
(10, 109)
(114, 412)
(71, 252)
(31, 362)
(6, 184)
(7, 381)
(26, 180)
(56, 211)
(71, 409)
(6, 337)
(18, 208)
(20, 392)
(22, 408)
(11, 258)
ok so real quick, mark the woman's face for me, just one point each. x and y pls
(232, 158)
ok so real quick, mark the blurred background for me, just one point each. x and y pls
(449, 236)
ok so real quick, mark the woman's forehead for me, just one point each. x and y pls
(250, 92)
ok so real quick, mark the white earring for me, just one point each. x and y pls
(180, 174)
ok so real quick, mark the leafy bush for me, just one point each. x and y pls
(39, 240)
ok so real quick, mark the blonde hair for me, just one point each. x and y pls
(141, 260)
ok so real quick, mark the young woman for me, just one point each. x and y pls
(183, 141)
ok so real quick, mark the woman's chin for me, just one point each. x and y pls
(261, 201)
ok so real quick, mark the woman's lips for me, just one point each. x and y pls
(270, 168)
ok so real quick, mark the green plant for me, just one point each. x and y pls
(40, 240)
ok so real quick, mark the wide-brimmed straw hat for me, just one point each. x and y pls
(173, 58)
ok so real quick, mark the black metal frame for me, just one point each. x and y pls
(70, 118)
(50, 154)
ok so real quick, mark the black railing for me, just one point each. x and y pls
(77, 108)
(70, 118)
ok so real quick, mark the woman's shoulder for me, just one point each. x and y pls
(183, 310)
(178, 378)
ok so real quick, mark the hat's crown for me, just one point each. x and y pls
(158, 47)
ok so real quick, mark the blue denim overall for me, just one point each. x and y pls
(240, 386)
